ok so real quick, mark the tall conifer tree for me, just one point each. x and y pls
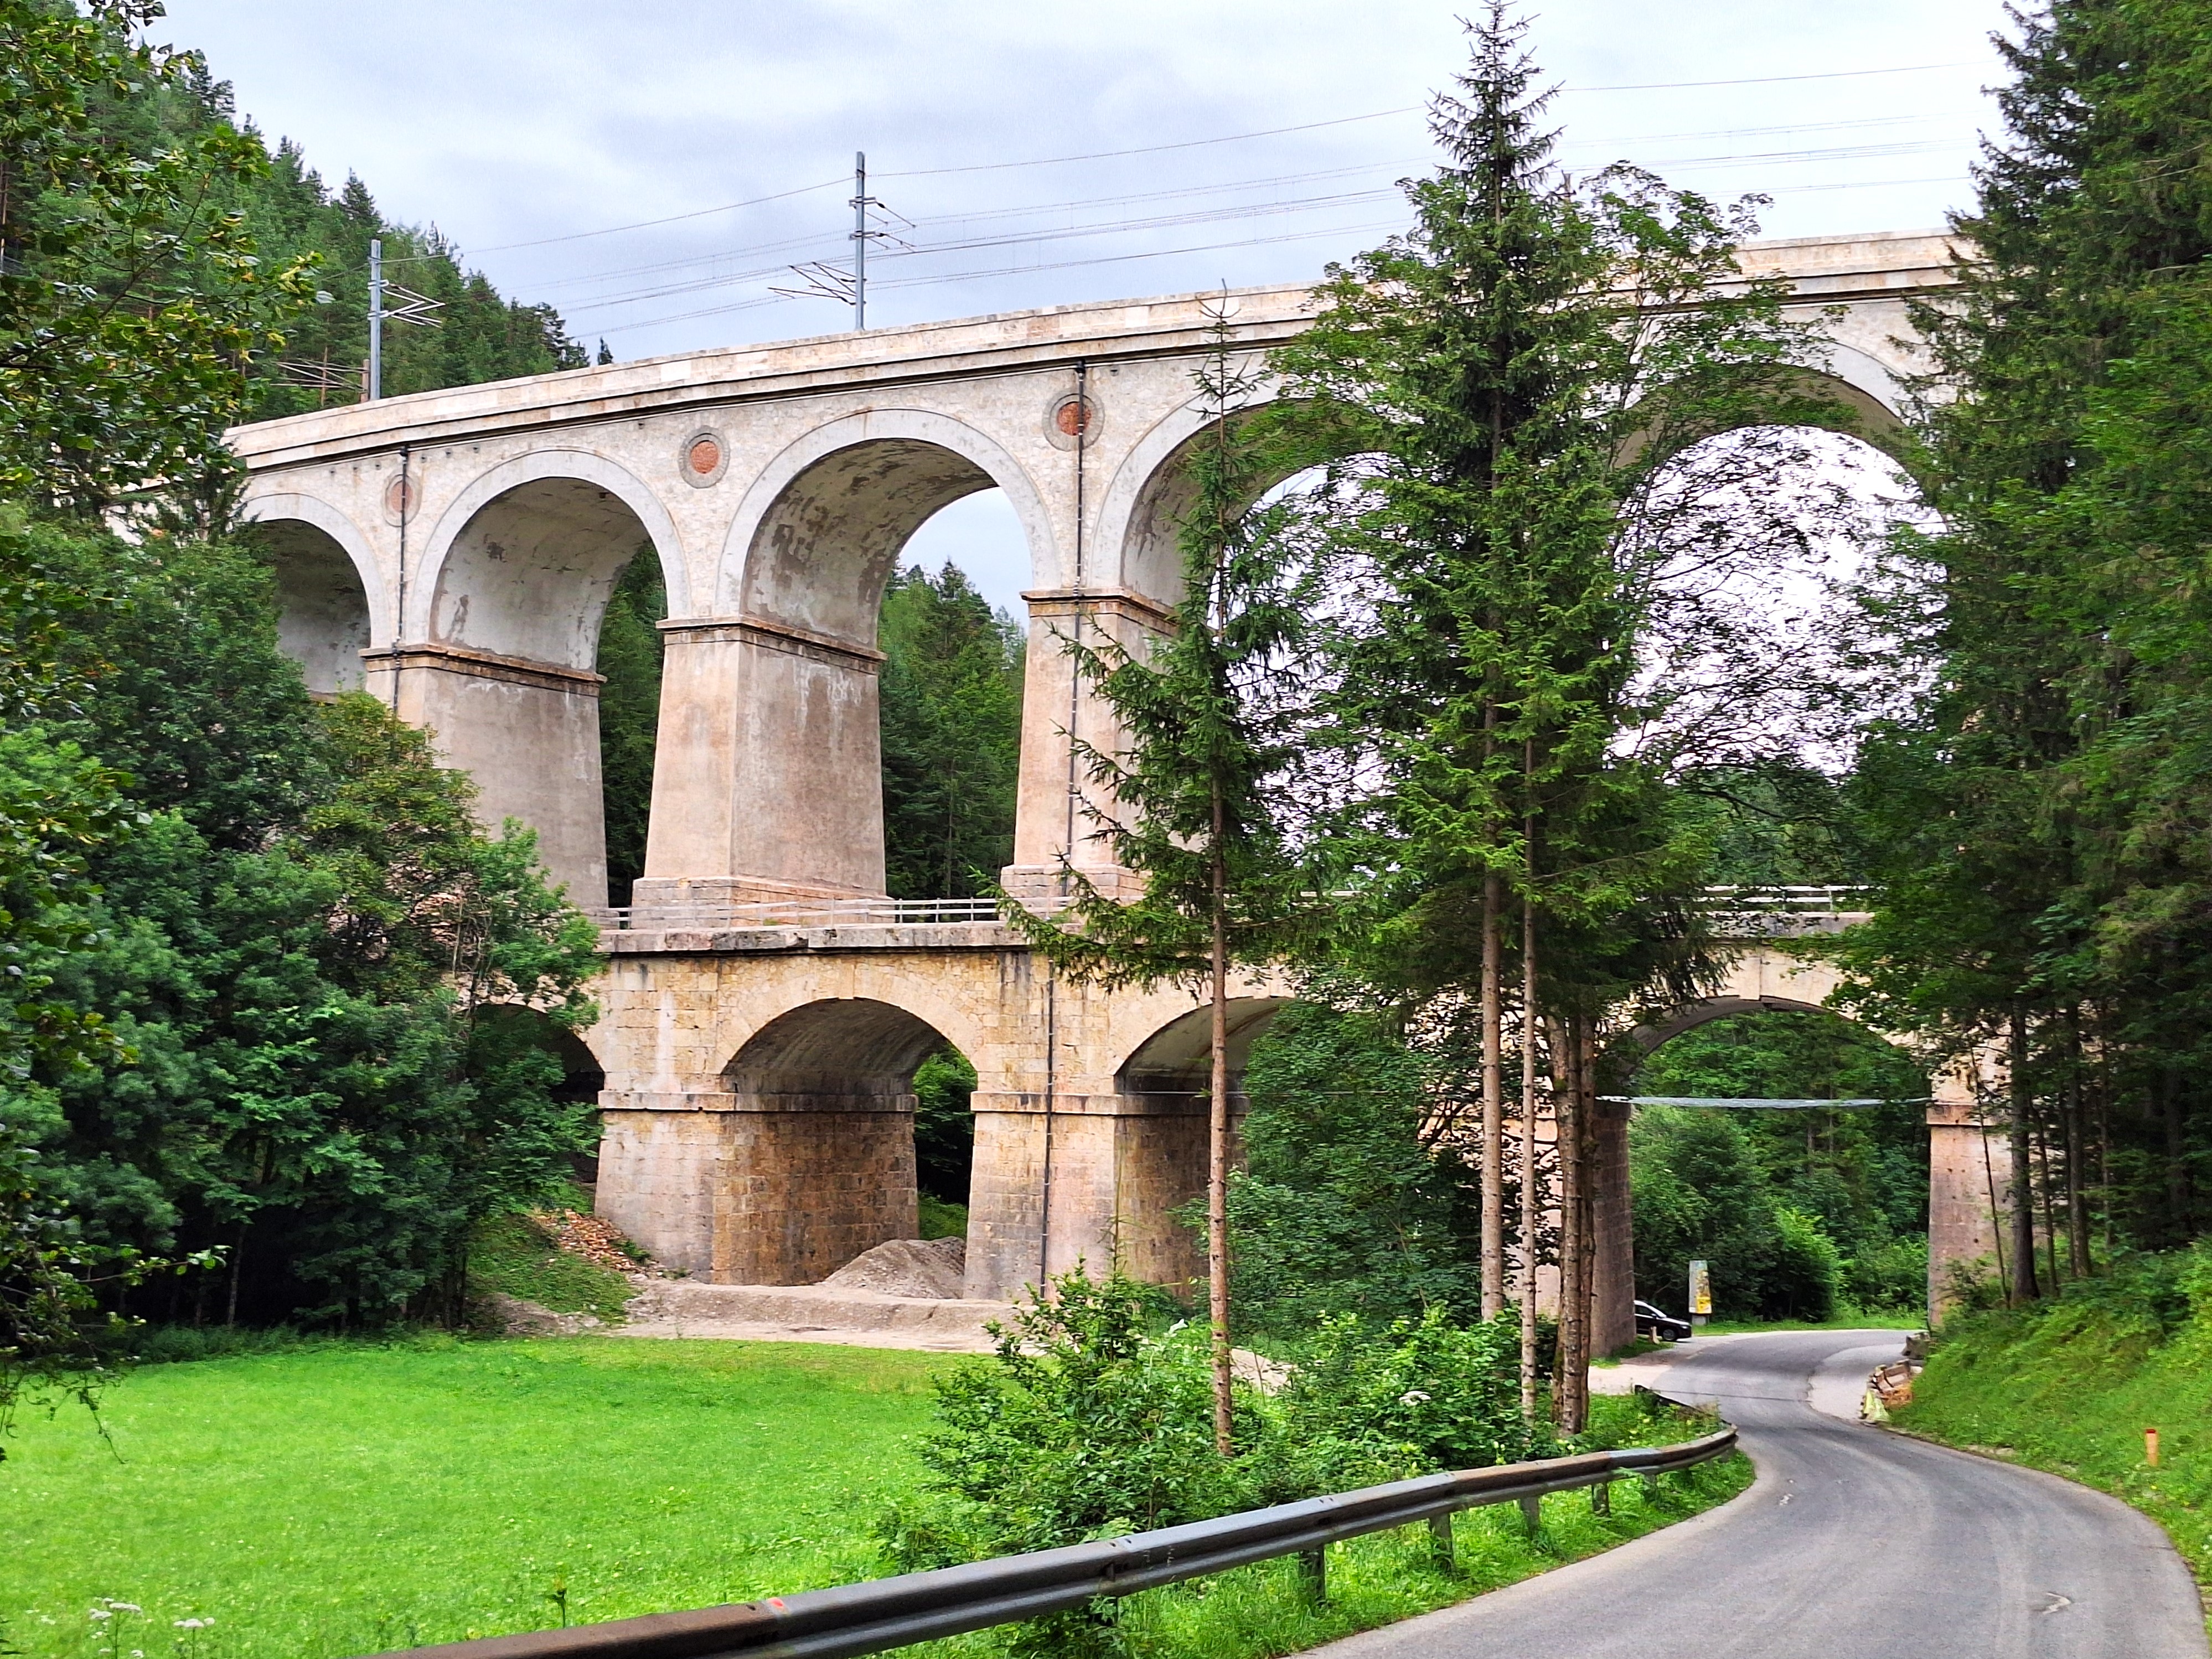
(1513, 380)
(1197, 784)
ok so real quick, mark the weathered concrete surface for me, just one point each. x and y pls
(775, 485)
(758, 1122)
(809, 1313)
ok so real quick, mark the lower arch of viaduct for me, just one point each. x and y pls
(454, 552)
(759, 1108)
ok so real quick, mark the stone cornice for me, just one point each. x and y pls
(485, 665)
(773, 636)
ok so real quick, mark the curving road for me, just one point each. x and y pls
(1854, 1543)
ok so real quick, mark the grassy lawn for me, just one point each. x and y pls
(343, 1499)
(340, 1500)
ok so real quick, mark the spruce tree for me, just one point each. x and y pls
(1513, 380)
(1206, 749)
(2044, 883)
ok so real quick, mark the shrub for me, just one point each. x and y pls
(1805, 1271)
(1428, 1395)
(1079, 1426)
(1888, 1278)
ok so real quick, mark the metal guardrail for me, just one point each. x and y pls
(920, 1606)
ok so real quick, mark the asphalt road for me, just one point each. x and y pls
(1854, 1543)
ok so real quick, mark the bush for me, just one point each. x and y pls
(1889, 1277)
(1426, 1395)
(1805, 1271)
(1081, 1426)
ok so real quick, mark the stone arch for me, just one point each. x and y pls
(1161, 1128)
(1144, 504)
(501, 634)
(1177, 1057)
(1688, 1016)
(330, 598)
(821, 1156)
(816, 535)
(521, 563)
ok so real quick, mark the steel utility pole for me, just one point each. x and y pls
(861, 203)
(376, 318)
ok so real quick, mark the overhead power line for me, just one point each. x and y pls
(1196, 144)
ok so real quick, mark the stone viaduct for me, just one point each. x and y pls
(452, 553)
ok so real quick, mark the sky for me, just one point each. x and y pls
(656, 170)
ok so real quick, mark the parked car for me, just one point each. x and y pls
(1662, 1327)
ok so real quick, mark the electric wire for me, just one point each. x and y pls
(1194, 143)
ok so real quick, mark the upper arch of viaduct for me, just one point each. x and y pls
(453, 551)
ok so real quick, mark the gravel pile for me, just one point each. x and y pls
(934, 1267)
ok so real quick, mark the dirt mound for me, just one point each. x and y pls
(906, 1267)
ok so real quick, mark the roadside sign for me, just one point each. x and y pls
(1701, 1291)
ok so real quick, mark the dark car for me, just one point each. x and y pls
(1659, 1327)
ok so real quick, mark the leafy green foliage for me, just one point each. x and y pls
(1847, 1190)
(1503, 517)
(303, 945)
(630, 651)
(951, 709)
(1081, 1426)
(131, 293)
(1424, 1395)
(944, 1127)
(1345, 1205)
(2033, 813)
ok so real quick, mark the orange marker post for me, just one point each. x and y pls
(2150, 1447)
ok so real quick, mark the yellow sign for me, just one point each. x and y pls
(1701, 1289)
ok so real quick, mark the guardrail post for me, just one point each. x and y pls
(1601, 1498)
(1441, 1543)
(1532, 1515)
(1650, 1488)
(1313, 1569)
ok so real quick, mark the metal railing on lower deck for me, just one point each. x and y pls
(1746, 903)
(812, 913)
(920, 1606)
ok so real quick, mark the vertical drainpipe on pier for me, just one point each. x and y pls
(399, 622)
(1067, 850)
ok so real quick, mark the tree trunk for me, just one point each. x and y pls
(2022, 1289)
(1493, 1100)
(2177, 1172)
(1567, 1372)
(1216, 1170)
(2050, 1204)
(1529, 1201)
(2077, 1194)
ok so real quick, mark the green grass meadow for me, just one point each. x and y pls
(333, 1499)
(342, 1499)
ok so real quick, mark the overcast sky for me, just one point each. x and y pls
(523, 130)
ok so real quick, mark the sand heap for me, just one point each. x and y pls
(934, 1268)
